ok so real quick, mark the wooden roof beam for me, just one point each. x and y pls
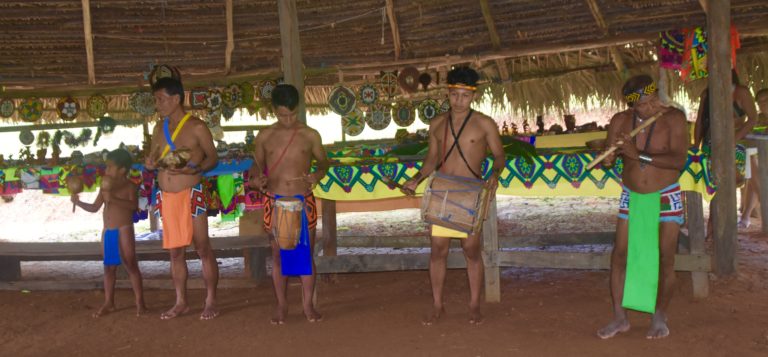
(88, 41)
(230, 39)
(501, 63)
(600, 20)
(704, 6)
(394, 27)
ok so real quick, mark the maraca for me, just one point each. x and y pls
(75, 186)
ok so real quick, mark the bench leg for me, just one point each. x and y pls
(257, 263)
(700, 284)
(696, 224)
(10, 269)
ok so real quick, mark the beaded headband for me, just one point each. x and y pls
(462, 86)
(633, 97)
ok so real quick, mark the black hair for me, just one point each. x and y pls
(463, 75)
(172, 86)
(285, 95)
(121, 158)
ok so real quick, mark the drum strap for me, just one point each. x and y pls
(456, 141)
(280, 158)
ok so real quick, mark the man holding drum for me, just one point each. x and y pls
(283, 155)
(459, 141)
(650, 208)
(181, 199)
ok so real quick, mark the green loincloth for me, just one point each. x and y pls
(641, 283)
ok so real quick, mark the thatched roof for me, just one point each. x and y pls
(549, 49)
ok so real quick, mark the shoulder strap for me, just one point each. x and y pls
(455, 142)
(280, 158)
(170, 138)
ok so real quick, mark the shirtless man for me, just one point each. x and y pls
(465, 159)
(652, 164)
(120, 202)
(283, 155)
(181, 187)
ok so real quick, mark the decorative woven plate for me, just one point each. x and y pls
(379, 116)
(164, 71)
(26, 137)
(444, 106)
(97, 106)
(342, 100)
(246, 88)
(215, 99)
(7, 107)
(30, 110)
(409, 79)
(388, 84)
(142, 103)
(227, 112)
(368, 94)
(265, 90)
(402, 114)
(233, 96)
(198, 98)
(68, 108)
(353, 123)
(428, 110)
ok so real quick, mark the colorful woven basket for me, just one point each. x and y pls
(97, 106)
(353, 123)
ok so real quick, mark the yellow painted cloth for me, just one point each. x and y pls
(440, 231)
(568, 140)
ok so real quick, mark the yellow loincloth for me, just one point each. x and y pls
(440, 231)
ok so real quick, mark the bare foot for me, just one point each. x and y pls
(141, 310)
(176, 310)
(279, 317)
(475, 317)
(613, 329)
(210, 312)
(312, 315)
(658, 328)
(744, 223)
(104, 310)
(434, 316)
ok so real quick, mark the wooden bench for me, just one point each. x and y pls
(254, 248)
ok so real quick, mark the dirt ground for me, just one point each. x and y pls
(542, 313)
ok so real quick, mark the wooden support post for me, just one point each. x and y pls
(615, 54)
(293, 66)
(230, 39)
(394, 27)
(153, 224)
(696, 235)
(10, 269)
(490, 251)
(762, 160)
(88, 41)
(722, 129)
(329, 227)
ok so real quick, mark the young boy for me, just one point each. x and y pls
(118, 195)
(283, 155)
